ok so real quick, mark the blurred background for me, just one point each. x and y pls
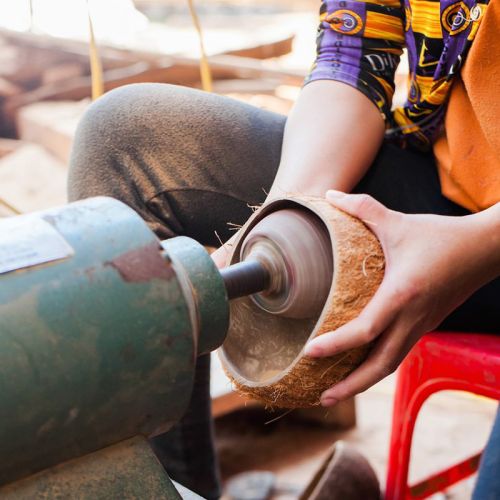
(259, 52)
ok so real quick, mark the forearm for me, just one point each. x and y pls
(488, 240)
(331, 138)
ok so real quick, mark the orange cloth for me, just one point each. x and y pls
(468, 151)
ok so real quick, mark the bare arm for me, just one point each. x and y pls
(336, 127)
(331, 138)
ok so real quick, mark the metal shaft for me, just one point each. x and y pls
(245, 278)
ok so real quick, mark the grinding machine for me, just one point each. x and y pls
(100, 325)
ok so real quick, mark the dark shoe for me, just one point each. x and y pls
(344, 475)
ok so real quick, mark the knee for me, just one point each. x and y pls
(113, 129)
(119, 120)
(129, 116)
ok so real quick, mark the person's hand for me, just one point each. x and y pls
(433, 264)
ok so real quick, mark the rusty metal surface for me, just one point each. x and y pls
(94, 348)
(141, 265)
(126, 471)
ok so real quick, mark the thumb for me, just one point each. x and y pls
(362, 206)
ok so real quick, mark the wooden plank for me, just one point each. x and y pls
(125, 56)
(80, 87)
(341, 416)
(8, 146)
(62, 71)
(74, 50)
(264, 101)
(232, 61)
(246, 86)
(266, 50)
(32, 179)
(5, 211)
(230, 402)
(140, 66)
(181, 71)
(51, 125)
(246, 67)
(24, 66)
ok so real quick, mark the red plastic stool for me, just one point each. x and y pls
(439, 361)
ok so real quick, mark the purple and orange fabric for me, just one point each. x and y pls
(360, 43)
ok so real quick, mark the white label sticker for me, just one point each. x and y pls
(28, 241)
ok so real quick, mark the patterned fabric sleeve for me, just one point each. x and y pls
(359, 43)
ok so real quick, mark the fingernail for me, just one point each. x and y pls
(329, 401)
(332, 193)
(312, 350)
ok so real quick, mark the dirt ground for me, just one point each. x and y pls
(451, 427)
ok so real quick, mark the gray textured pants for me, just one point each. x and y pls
(190, 162)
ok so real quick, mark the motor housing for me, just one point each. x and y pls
(100, 326)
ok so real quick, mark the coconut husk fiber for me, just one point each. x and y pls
(263, 352)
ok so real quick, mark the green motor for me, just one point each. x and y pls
(100, 325)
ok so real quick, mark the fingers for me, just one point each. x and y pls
(373, 320)
(381, 362)
(385, 318)
(362, 206)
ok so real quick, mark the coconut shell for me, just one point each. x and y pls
(263, 353)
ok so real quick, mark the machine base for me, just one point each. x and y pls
(127, 470)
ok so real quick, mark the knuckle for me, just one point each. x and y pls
(367, 333)
(344, 392)
(406, 292)
(365, 202)
(397, 296)
(386, 368)
(411, 291)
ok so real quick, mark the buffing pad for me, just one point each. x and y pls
(294, 246)
(263, 352)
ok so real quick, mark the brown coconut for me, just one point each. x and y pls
(263, 353)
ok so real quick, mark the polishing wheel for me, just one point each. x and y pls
(286, 264)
